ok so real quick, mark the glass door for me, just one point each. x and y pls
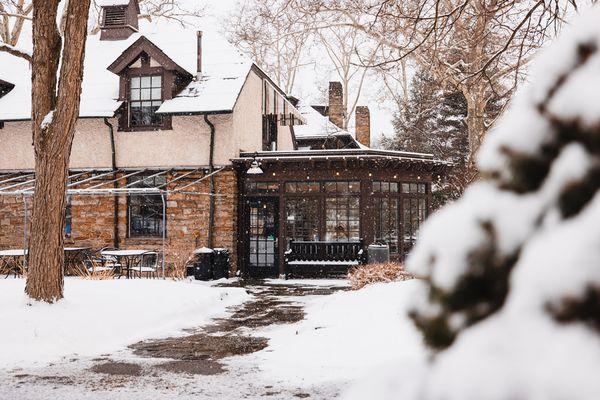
(262, 237)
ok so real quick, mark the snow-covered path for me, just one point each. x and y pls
(292, 339)
(208, 363)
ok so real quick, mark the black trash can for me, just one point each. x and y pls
(221, 263)
(190, 270)
(203, 264)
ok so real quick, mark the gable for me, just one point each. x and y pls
(140, 46)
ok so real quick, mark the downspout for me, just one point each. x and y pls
(111, 132)
(211, 165)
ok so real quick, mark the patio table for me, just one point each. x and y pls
(12, 261)
(128, 258)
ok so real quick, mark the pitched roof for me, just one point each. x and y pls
(224, 73)
(317, 126)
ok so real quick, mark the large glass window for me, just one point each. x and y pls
(386, 221)
(342, 220)
(414, 215)
(145, 212)
(301, 219)
(145, 98)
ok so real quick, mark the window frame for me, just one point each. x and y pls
(414, 190)
(159, 234)
(125, 95)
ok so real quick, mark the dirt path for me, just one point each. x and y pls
(197, 365)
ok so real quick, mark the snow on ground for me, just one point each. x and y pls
(98, 317)
(343, 337)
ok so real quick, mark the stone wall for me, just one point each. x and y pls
(187, 220)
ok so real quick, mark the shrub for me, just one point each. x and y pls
(373, 273)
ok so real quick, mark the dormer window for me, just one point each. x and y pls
(145, 98)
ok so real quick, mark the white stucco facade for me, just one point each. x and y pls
(186, 145)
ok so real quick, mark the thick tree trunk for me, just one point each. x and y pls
(54, 115)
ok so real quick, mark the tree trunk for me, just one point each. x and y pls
(54, 115)
(475, 120)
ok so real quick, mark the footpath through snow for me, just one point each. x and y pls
(98, 317)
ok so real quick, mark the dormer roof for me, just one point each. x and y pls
(143, 44)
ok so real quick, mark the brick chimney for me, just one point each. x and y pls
(363, 125)
(336, 104)
(119, 19)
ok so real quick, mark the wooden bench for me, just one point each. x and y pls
(323, 258)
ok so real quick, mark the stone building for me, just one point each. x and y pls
(172, 125)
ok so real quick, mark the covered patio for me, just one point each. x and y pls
(330, 196)
(132, 184)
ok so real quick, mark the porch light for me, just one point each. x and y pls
(255, 168)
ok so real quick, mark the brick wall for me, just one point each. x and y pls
(187, 220)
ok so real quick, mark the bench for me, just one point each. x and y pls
(322, 257)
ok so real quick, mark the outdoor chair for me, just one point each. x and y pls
(109, 262)
(149, 268)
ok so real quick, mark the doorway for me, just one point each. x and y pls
(263, 228)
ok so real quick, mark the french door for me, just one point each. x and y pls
(263, 226)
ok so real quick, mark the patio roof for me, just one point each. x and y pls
(102, 182)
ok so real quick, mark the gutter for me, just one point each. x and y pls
(113, 149)
(211, 165)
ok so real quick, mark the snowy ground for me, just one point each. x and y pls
(332, 337)
(98, 317)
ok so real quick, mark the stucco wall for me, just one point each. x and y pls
(247, 119)
(187, 144)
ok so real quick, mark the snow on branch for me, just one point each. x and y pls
(15, 51)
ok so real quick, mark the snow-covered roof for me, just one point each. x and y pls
(108, 3)
(317, 126)
(224, 73)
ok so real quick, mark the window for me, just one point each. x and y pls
(68, 218)
(301, 221)
(145, 98)
(145, 212)
(342, 210)
(386, 221)
(262, 187)
(342, 187)
(342, 220)
(414, 214)
(302, 187)
(269, 136)
(414, 188)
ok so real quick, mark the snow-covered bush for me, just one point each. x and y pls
(513, 267)
(367, 274)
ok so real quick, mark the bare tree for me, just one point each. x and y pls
(13, 14)
(477, 46)
(55, 107)
(172, 10)
(275, 34)
(350, 52)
